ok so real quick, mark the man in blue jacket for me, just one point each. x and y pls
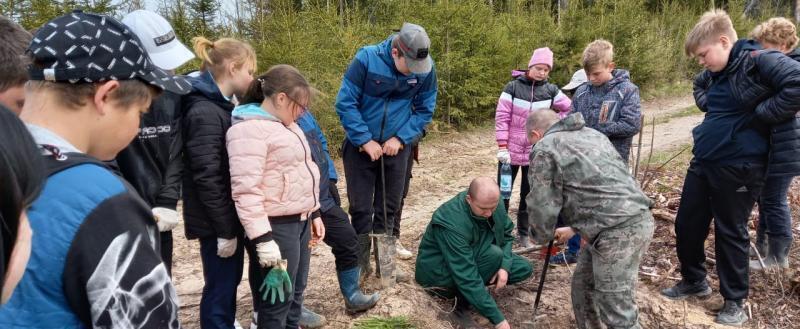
(387, 97)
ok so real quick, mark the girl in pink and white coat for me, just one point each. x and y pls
(527, 93)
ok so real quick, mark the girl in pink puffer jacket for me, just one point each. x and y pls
(530, 91)
(275, 185)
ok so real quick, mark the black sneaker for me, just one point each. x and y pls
(732, 314)
(684, 289)
(462, 318)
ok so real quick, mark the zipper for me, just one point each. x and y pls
(305, 161)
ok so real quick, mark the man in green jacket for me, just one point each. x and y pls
(575, 171)
(466, 247)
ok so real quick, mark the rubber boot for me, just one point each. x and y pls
(365, 246)
(778, 254)
(311, 320)
(354, 300)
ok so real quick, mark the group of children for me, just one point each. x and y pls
(254, 172)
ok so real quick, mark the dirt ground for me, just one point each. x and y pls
(448, 162)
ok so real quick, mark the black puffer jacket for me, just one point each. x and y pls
(784, 155)
(152, 163)
(768, 83)
(208, 209)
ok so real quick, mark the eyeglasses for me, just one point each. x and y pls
(305, 108)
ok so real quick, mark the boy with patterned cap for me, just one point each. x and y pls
(95, 260)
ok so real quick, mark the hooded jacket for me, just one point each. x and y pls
(519, 98)
(319, 152)
(376, 102)
(272, 172)
(208, 209)
(612, 108)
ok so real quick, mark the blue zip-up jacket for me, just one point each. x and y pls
(319, 153)
(375, 94)
(612, 108)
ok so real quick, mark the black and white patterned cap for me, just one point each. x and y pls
(83, 47)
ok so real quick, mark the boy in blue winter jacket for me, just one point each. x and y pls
(387, 97)
(610, 101)
(741, 87)
(95, 260)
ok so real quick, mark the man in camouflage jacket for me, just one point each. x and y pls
(577, 171)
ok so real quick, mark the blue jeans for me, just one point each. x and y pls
(775, 218)
(222, 276)
(574, 244)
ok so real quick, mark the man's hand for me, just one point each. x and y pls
(373, 149)
(166, 219)
(392, 147)
(503, 325)
(499, 279)
(563, 234)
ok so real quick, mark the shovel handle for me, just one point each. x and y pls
(541, 279)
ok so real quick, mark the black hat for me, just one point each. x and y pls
(82, 47)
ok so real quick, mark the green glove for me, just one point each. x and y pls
(276, 282)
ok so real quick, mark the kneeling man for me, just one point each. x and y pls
(575, 171)
(467, 246)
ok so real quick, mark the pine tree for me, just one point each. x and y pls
(203, 16)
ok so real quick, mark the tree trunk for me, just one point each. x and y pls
(796, 11)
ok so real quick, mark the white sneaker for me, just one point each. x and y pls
(401, 251)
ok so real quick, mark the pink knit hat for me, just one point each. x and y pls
(542, 56)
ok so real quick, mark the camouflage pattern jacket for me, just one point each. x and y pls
(576, 171)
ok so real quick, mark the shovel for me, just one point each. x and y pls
(384, 243)
(541, 281)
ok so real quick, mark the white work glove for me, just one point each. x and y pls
(503, 156)
(268, 253)
(166, 219)
(226, 247)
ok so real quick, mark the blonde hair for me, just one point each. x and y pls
(598, 52)
(777, 31)
(216, 54)
(712, 25)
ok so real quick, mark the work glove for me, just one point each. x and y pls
(166, 219)
(269, 254)
(276, 283)
(503, 156)
(226, 247)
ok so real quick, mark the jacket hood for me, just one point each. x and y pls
(794, 54)
(385, 52)
(251, 111)
(205, 85)
(738, 53)
(570, 123)
(619, 76)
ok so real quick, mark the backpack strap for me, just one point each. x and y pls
(58, 161)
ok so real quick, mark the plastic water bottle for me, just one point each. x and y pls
(505, 181)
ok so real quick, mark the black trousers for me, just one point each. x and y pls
(364, 188)
(166, 250)
(399, 216)
(726, 194)
(523, 227)
(341, 236)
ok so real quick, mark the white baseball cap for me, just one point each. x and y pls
(578, 78)
(158, 39)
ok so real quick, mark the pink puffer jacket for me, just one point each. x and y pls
(272, 173)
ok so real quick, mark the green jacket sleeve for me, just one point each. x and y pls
(460, 259)
(545, 199)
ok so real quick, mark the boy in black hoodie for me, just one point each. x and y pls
(741, 85)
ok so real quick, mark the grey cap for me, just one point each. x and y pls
(415, 45)
(578, 78)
